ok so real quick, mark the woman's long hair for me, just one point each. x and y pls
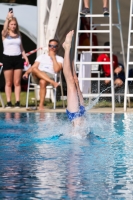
(17, 27)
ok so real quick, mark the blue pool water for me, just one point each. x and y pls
(41, 159)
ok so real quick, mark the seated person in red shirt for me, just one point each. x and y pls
(119, 76)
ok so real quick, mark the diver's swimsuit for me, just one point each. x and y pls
(72, 116)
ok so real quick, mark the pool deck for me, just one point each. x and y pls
(60, 110)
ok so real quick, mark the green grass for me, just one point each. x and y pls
(49, 104)
(104, 104)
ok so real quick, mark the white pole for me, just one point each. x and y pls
(42, 11)
(54, 16)
(111, 55)
(128, 54)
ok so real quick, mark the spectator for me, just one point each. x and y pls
(12, 58)
(119, 76)
(86, 9)
(44, 68)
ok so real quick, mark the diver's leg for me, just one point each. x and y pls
(72, 97)
(77, 86)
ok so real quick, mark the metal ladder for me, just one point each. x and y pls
(129, 61)
(91, 47)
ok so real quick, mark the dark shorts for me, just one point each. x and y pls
(12, 62)
(121, 76)
(80, 113)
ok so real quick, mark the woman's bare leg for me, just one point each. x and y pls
(105, 3)
(8, 74)
(17, 83)
(86, 3)
(72, 96)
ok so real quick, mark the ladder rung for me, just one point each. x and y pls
(119, 94)
(94, 79)
(131, 15)
(99, 52)
(105, 25)
(131, 31)
(95, 95)
(80, 52)
(129, 79)
(93, 47)
(94, 15)
(94, 31)
(129, 95)
(103, 95)
(130, 63)
(130, 47)
(93, 63)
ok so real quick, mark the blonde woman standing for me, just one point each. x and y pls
(12, 58)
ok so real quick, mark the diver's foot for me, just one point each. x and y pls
(68, 40)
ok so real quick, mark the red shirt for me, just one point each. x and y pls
(106, 67)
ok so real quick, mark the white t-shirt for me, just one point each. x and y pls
(46, 63)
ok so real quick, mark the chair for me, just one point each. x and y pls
(1, 100)
(35, 87)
